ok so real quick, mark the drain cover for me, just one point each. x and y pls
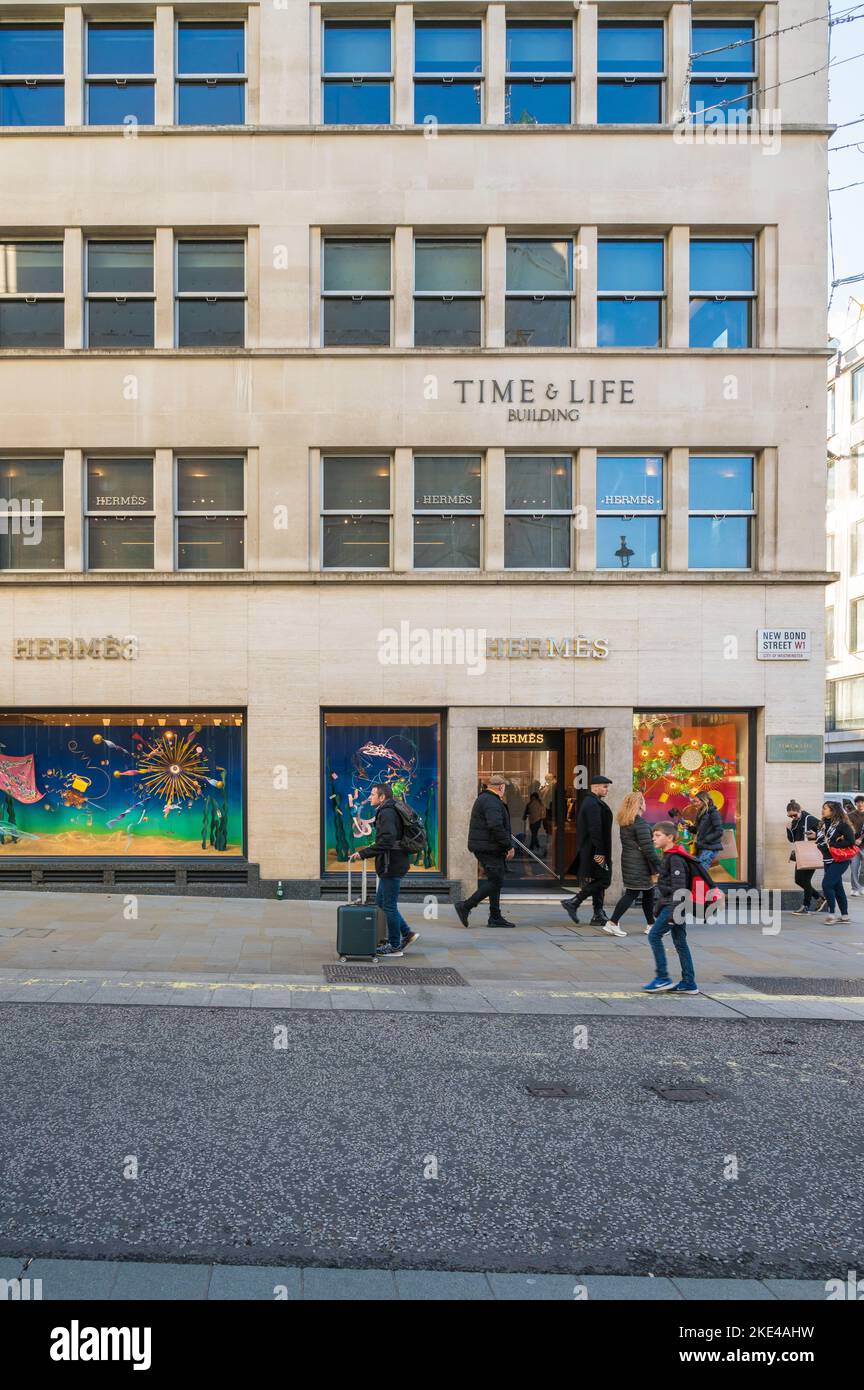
(557, 1092)
(392, 975)
(687, 1095)
(795, 984)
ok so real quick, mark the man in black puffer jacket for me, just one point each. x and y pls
(391, 866)
(490, 839)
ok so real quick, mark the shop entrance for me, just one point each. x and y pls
(542, 795)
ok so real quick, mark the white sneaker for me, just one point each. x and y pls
(613, 929)
(830, 919)
(846, 917)
(648, 928)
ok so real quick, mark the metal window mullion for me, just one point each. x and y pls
(54, 296)
(54, 78)
(358, 76)
(633, 76)
(119, 77)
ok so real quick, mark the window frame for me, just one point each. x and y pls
(750, 296)
(355, 516)
(538, 516)
(569, 295)
(752, 512)
(443, 515)
(444, 77)
(479, 295)
(358, 79)
(856, 394)
(51, 296)
(356, 298)
(856, 627)
(630, 79)
(38, 79)
(211, 79)
(660, 295)
(12, 456)
(106, 296)
(660, 512)
(180, 515)
(190, 295)
(102, 79)
(540, 78)
(108, 457)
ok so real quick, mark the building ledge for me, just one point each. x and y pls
(715, 134)
(478, 354)
(449, 578)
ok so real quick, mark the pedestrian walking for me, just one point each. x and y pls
(709, 829)
(490, 840)
(392, 863)
(836, 839)
(800, 832)
(640, 863)
(593, 861)
(677, 871)
(856, 886)
(535, 815)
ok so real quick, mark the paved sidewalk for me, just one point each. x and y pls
(117, 1281)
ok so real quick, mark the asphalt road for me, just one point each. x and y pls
(316, 1152)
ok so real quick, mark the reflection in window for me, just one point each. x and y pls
(630, 293)
(630, 67)
(723, 71)
(448, 292)
(629, 511)
(355, 512)
(120, 78)
(448, 72)
(539, 79)
(357, 72)
(447, 511)
(539, 293)
(722, 293)
(31, 74)
(211, 73)
(31, 294)
(119, 519)
(722, 507)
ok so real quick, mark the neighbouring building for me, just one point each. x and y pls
(405, 391)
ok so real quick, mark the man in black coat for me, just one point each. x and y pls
(391, 866)
(593, 851)
(490, 839)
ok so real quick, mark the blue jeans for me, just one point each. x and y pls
(387, 897)
(832, 886)
(679, 941)
(706, 857)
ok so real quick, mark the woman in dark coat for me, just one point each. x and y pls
(709, 830)
(640, 863)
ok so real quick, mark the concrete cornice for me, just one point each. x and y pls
(748, 137)
(439, 578)
(413, 353)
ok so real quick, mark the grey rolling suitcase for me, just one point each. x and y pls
(361, 927)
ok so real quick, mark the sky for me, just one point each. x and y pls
(846, 103)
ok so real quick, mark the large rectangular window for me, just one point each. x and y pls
(211, 73)
(31, 294)
(630, 292)
(210, 513)
(677, 755)
(539, 306)
(539, 88)
(128, 784)
(722, 508)
(856, 549)
(448, 511)
(355, 512)
(120, 298)
(856, 627)
(400, 748)
(31, 74)
(538, 517)
(723, 70)
(31, 514)
(120, 79)
(355, 292)
(448, 292)
(630, 72)
(119, 514)
(630, 509)
(448, 72)
(211, 294)
(357, 76)
(722, 292)
(847, 709)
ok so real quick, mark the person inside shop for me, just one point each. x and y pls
(593, 861)
(535, 815)
(490, 840)
(391, 865)
(800, 831)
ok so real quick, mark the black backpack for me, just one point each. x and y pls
(413, 834)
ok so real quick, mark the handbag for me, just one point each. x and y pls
(807, 855)
(840, 856)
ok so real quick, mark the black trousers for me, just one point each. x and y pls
(628, 898)
(489, 886)
(804, 879)
(595, 889)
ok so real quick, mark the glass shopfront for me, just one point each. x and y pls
(130, 784)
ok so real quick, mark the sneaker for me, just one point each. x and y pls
(819, 903)
(389, 951)
(845, 917)
(681, 988)
(571, 908)
(658, 986)
(830, 919)
(499, 922)
(599, 919)
(409, 939)
(462, 912)
(801, 912)
(613, 929)
(648, 928)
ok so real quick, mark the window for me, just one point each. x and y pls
(119, 518)
(848, 706)
(210, 515)
(448, 293)
(121, 81)
(358, 73)
(630, 292)
(211, 73)
(723, 71)
(630, 508)
(630, 73)
(539, 78)
(722, 507)
(856, 549)
(211, 294)
(119, 294)
(355, 512)
(448, 510)
(31, 514)
(448, 72)
(829, 633)
(31, 294)
(355, 293)
(858, 393)
(31, 74)
(538, 512)
(722, 293)
(832, 412)
(856, 627)
(539, 293)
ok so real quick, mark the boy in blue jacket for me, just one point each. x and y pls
(677, 869)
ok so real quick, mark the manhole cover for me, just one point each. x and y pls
(795, 984)
(392, 975)
(557, 1093)
(687, 1095)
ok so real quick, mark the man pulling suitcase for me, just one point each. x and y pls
(391, 864)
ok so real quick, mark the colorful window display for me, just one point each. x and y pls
(128, 785)
(401, 749)
(677, 755)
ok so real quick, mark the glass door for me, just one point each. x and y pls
(530, 761)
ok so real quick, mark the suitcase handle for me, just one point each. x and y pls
(362, 898)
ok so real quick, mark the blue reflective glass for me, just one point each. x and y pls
(108, 104)
(630, 266)
(722, 37)
(628, 542)
(120, 49)
(632, 103)
(720, 103)
(356, 47)
(635, 323)
(721, 484)
(210, 48)
(42, 105)
(721, 323)
(349, 103)
(528, 103)
(440, 47)
(719, 543)
(718, 267)
(456, 104)
(539, 47)
(198, 104)
(629, 484)
(31, 49)
(630, 48)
